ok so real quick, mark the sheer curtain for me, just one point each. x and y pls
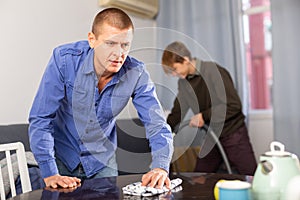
(211, 30)
(286, 69)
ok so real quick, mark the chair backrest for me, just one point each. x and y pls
(18, 147)
(2, 191)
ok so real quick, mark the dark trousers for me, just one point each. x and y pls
(110, 170)
(239, 152)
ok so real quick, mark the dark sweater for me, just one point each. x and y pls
(210, 91)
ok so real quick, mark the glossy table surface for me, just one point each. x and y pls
(194, 186)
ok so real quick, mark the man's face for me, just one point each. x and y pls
(111, 48)
(181, 70)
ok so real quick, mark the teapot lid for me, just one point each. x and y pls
(277, 152)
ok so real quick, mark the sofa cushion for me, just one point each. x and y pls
(14, 133)
(133, 152)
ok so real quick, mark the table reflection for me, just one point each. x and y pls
(198, 186)
(90, 189)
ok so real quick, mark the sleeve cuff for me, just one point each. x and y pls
(161, 164)
(48, 168)
(206, 115)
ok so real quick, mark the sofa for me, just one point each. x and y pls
(14, 133)
(18, 133)
(133, 152)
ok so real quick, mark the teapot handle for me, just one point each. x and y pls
(295, 157)
(276, 144)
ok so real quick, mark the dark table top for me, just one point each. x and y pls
(194, 186)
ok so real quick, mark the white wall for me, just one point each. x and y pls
(261, 131)
(29, 32)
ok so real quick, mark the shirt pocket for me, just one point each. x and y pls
(79, 95)
(78, 100)
(119, 102)
(113, 105)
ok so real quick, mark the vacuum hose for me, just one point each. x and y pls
(215, 138)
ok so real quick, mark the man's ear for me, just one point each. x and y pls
(91, 39)
(186, 59)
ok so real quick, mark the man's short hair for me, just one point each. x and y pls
(175, 53)
(114, 17)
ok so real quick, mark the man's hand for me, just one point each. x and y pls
(61, 181)
(197, 120)
(156, 178)
(63, 190)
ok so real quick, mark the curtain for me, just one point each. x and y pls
(211, 29)
(286, 70)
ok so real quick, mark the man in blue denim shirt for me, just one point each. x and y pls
(85, 86)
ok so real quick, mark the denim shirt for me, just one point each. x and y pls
(71, 120)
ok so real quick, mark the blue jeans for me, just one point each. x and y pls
(79, 171)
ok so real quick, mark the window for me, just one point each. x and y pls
(258, 44)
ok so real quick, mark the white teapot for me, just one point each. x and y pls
(274, 171)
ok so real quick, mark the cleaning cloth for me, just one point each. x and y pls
(138, 190)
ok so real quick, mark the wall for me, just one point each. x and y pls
(260, 131)
(29, 32)
(286, 70)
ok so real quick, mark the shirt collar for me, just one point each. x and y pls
(88, 65)
(198, 67)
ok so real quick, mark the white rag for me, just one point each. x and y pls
(138, 190)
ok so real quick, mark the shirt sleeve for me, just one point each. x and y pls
(151, 114)
(42, 113)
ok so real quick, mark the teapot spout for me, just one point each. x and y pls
(266, 167)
